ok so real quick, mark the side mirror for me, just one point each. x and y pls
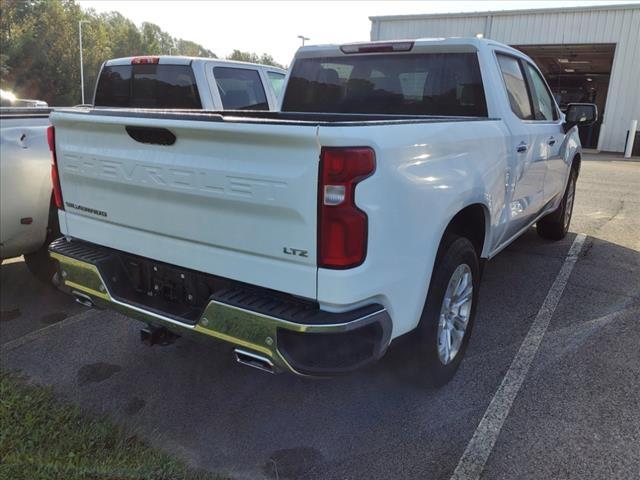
(581, 114)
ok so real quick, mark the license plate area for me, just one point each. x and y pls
(175, 292)
(165, 289)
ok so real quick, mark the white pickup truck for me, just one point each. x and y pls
(187, 83)
(28, 217)
(313, 237)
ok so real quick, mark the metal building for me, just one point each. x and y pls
(586, 53)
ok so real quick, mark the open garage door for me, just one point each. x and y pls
(576, 73)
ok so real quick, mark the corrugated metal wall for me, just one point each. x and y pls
(616, 24)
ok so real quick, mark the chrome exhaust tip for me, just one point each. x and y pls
(82, 299)
(253, 360)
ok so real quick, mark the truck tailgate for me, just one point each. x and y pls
(238, 200)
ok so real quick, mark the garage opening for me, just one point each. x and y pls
(576, 73)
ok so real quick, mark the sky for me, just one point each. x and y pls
(273, 26)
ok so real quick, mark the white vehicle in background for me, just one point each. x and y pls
(171, 82)
(28, 218)
(312, 237)
(9, 100)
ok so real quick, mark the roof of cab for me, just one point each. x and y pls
(183, 60)
(419, 45)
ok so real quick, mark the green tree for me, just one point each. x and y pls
(191, 49)
(156, 41)
(4, 65)
(125, 38)
(39, 51)
(251, 57)
(40, 46)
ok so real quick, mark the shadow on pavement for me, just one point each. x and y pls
(195, 401)
(27, 304)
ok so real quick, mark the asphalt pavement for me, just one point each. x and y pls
(576, 414)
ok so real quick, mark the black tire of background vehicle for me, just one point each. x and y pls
(427, 369)
(553, 225)
(39, 263)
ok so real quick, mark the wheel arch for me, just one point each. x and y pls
(577, 161)
(471, 222)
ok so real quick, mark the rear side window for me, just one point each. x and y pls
(277, 82)
(147, 86)
(516, 86)
(447, 84)
(240, 89)
(543, 104)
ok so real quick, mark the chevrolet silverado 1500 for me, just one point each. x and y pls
(312, 237)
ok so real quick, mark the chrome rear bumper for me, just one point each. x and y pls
(322, 343)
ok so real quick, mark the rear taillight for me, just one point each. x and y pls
(144, 60)
(55, 177)
(342, 226)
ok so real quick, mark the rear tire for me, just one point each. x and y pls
(555, 225)
(441, 339)
(39, 263)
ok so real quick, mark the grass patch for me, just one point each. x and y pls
(41, 438)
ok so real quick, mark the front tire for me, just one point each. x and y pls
(447, 319)
(555, 225)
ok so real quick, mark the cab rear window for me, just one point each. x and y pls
(447, 84)
(147, 86)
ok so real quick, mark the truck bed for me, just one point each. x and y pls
(268, 117)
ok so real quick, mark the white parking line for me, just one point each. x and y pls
(481, 444)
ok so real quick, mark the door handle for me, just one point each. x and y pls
(552, 141)
(522, 148)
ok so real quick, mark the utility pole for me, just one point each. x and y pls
(303, 38)
(81, 62)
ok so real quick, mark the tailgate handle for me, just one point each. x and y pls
(154, 135)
